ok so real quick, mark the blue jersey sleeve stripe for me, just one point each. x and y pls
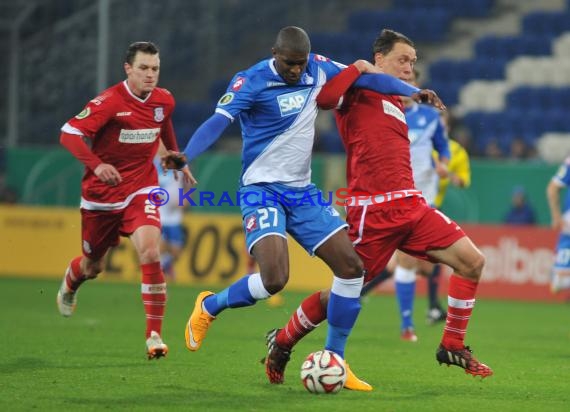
(225, 113)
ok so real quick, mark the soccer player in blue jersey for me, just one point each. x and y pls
(173, 233)
(560, 221)
(275, 102)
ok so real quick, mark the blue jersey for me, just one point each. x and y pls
(562, 177)
(277, 120)
(170, 213)
(426, 133)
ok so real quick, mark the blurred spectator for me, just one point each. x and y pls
(7, 193)
(521, 212)
(457, 130)
(492, 150)
(462, 136)
(520, 150)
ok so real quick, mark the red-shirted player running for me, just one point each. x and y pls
(375, 135)
(125, 124)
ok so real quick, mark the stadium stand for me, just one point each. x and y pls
(502, 66)
(533, 97)
(511, 85)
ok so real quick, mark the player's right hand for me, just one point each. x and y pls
(173, 160)
(108, 174)
(429, 97)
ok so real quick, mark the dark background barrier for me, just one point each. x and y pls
(52, 178)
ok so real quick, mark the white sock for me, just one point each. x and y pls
(403, 275)
(256, 288)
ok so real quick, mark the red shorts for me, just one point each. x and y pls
(100, 230)
(410, 225)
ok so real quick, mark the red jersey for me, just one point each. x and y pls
(125, 132)
(375, 135)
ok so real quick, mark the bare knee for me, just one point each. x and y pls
(149, 254)
(274, 277)
(474, 268)
(354, 267)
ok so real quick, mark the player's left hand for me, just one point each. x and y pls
(429, 97)
(441, 170)
(456, 180)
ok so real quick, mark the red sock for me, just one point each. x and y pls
(73, 276)
(461, 300)
(153, 290)
(306, 318)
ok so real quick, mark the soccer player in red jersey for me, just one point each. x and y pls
(387, 213)
(124, 125)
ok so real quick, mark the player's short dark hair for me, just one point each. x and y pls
(140, 46)
(294, 39)
(386, 40)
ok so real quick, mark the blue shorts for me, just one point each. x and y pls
(276, 209)
(174, 235)
(563, 252)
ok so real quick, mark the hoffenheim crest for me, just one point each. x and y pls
(159, 114)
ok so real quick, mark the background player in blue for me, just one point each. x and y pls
(426, 133)
(275, 101)
(173, 233)
(560, 221)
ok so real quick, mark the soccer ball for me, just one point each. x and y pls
(323, 372)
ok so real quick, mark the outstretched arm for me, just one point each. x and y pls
(363, 74)
(387, 84)
(206, 135)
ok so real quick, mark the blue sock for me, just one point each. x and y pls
(235, 296)
(167, 261)
(342, 311)
(405, 293)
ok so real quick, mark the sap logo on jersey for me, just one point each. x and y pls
(292, 103)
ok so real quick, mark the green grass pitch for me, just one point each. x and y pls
(96, 359)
